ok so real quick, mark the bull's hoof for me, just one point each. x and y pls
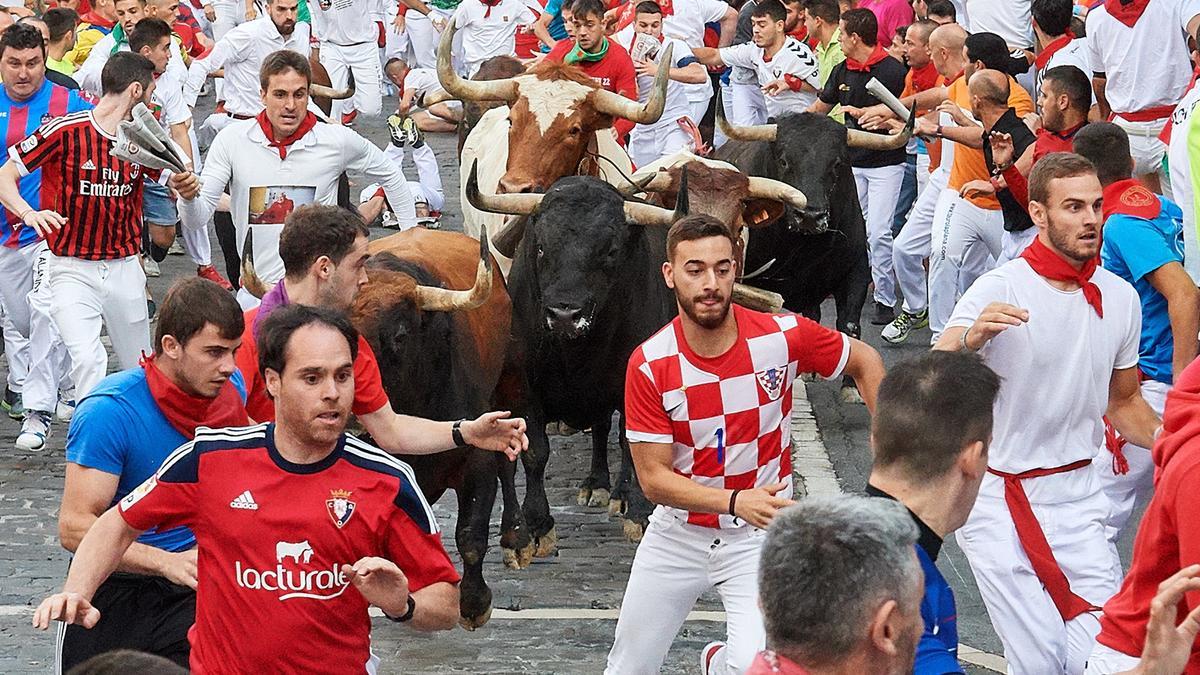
(560, 429)
(616, 507)
(547, 544)
(518, 558)
(471, 623)
(633, 530)
(600, 498)
(808, 377)
(851, 395)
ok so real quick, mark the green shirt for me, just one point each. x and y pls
(827, 58)
(64, 66)
(302, 13)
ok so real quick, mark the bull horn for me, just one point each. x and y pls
(865, 140)
(767, 188)
(757, 299)
(434, 299)
(681, 197)
(619, 106)
(756, 132)
(513, 205)
(509, 236)
(249, 278)
(469, 90)
(321, 91)
(648, 181)
(439, 96)
(648, 215)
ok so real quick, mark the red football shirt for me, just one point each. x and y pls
(369, 395)
(98, 194)
(272, 537)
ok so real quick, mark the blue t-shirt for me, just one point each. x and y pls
(119, 429)
(1133, 248)
(937, 652)
(19, 120)
(557, 30)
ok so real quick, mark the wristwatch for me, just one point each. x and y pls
(407, 616)
(456, 433)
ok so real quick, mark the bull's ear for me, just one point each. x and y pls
(761, 212)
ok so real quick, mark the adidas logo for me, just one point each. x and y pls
(88, 166)
(244, 501)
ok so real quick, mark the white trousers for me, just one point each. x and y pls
(1146, 149)
(230, 15)
(16, 353)
(912, 245)
(1123, 490)
(363, 61)
(878, 190)
(423, 39)
(965, 240)
(89, 294)
(1105, 660)
(675, 564)
(42, 357)
(1013, 244)
(1035, 638)
(195, 240)
(428, 187)
(648, 143)
(749, 105)
(923, 172)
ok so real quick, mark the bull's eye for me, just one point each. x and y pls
(575, 130)
(540, 252)
(783, 163)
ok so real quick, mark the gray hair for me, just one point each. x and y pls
(827, 565)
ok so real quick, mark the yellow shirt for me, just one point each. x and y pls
(64, 66)
(86, 37)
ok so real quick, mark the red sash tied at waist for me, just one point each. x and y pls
(1161, 112)
(1033, 539)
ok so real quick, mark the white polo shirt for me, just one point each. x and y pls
(1055, 370)
(1075, 53)
(795, 58)
(270, 187)
(677, 104)
(492, 35)
(345, 22)
(241, 53)
(1010, 19)
(1185, 170)
(1146, 66)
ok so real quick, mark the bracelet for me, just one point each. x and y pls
(1157, 432)
(456, 433)
(733, 502)
(407, 616)
(963, 340)
(24, 213)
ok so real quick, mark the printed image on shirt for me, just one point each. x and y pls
(271, 204)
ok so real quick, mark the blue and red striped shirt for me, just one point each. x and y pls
(19, 119)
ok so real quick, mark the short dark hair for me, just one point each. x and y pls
(862, 22)
(582, 8)
(696, 226)
(193, 303)
(828, 11)
(148, 33)
(60, 21)
(1052, 16)
(22, 36)
(941, 8)
(771, 8)
(120, 661)
(1052, 167)
(276, 330)
(281, 62)
(317, 230)
(1106, 146)
(648, 7)
(1073, 82)
(123, 69)
(929, 408)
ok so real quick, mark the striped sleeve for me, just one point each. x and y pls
(38, 148)
(168, 498)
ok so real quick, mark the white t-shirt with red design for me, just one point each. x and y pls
(728, 417)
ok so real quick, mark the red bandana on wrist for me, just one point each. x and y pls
(1131, 198)
(1044, 58)
(187, 411)
(306, 125)
(1049, 264)
(1126, 11)
(865, 66)
(489, 4)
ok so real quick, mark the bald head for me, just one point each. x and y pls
(946, 49)
(921, 30)
(990, 87)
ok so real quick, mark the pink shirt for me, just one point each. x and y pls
(891, 14)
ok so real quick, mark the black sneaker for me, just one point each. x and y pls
(883, 314)
(12, 404)
(396, 130)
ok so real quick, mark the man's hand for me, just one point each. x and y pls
(872, 117)
(1002, 149)
(399, 22)
(976, 188)
(187, 184)
(776, 87)
(45, 221)
(180, 568)
(439, 22)
(996, 318)
(923, 127)
(759, 506)
(251, 12)
(381, 583)
(68, 607)
(210, 12)
(1168, 647)
(646, 68)
(1033, 121)
(956, 113)
(497, 432)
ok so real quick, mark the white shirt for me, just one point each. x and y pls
(241, 53)
(422, 81)
(1075, 53)
(1147, 65)
(687, 24)
(1010, 19)
(345, 22)
(677, 104)
(88, 75)
(1185, 131)
(1054, 370)
(493, 35)
(795, 58)
(241, 158)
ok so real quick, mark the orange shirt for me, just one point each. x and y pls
(968, 162)
(933, 146)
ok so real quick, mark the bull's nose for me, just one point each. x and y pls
(562, 316)
(509, 185)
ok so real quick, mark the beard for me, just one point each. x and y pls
(710, 318)
(1069, 246)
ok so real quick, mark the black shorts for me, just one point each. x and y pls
(145, 613)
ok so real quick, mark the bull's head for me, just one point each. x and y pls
(811, 153)
(555, 111)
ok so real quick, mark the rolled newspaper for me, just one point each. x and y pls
(142, 140)
(886, 97)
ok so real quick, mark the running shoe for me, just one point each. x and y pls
(898, 330)
(413, 132)
(883, 314)
(209, 272)
(176, 247)
(395, 125)
(64, 410)
(12, 404)
(150, 266)
(709, 655)
(34, 431)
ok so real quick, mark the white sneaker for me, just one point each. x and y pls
(65, 410)
(34, 431)
(711, 652)
(150, 266)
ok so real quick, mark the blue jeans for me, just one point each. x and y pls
(908, 194)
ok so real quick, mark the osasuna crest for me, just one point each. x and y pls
(339, 506)
(771, 380)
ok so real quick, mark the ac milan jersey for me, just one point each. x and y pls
(728, 417)
(99, 195)
(272, 537)
(19, 119)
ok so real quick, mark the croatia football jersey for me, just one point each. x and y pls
(728, 417)
(99, 195)
(19, 119)
(272, 537)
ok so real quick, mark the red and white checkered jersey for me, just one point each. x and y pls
(728, 417)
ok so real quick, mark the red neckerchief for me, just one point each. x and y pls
(489, 4)
(925, 78)
(1129, 197)
(952, 80)
(865, 66)
(1049, 264)
(187, 411)
(310, 121)
(771, 663)
(801, 33)
(97, 20)
(1044, 58)
(1126, 11)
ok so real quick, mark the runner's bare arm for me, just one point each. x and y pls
(45, 221)
(407, 435)
(1128, 411)
(1183, 308)
(865, 367)
(437, 607)
(996, 318)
